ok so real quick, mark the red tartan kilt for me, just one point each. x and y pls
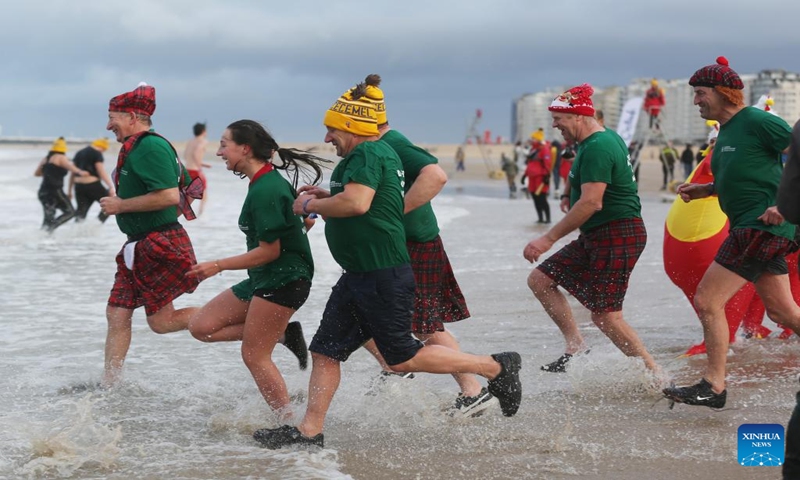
(595, 268)
(438, 298)
(746, 246)
(162, 261)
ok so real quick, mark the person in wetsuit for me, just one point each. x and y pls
(53, 168)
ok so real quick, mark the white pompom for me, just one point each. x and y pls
(142, 84)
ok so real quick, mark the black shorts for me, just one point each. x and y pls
(378, 305)
(292, 295)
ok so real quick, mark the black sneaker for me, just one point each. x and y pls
(472, 406)
(286, 436)
(506, 386)
(559, 366)
(294, 340)
(699, 394)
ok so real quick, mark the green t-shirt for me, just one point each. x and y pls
(267, 216)
(603, 157)
(375, 240)
(420, 223)
(747, 168)
(151, 165)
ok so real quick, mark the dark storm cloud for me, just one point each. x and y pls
(285, 64)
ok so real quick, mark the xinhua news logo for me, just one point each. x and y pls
(761, 445)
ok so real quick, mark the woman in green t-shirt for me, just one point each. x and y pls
(278, 260)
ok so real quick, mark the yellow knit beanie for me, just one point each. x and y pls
(101, 143)
(375, 95)
(353, 113)
(59, 146)
(538, 135)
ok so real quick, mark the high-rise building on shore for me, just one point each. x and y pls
(679, 118)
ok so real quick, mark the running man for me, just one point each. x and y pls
(438, 298)
(747, 170)
(153, 265)
(601, 200)
(374, 297)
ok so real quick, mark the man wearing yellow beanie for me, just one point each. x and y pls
(438, 298)
(89, 188)
(374, 297)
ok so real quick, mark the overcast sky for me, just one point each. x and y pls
(285, 63)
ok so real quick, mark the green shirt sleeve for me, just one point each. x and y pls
(360, 171)
(774, 133)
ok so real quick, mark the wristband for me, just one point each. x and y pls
(564, 196)
(305, 204)
(216, 264)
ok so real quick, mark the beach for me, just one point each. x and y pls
(186, 410)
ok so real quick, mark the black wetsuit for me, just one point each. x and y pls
(52, 196)
(88, 193)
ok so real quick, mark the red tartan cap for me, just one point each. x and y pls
(141, 100)
(719, 74)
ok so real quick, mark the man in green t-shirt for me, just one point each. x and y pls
(153, 264)
(374, 297)
(438, 297)
(601, 200)
(747, 170)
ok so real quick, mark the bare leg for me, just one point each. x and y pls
(438, 359)
(467, 382)
(775, 291)
(168, 320)
(624, 337)
(373, 349)
(220, 320)
(556, 305)
(715, 289)
(265, 324)
(325, 376)
(469, 385)
(118, 340)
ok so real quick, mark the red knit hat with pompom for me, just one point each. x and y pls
(576, 100)
(719, 74)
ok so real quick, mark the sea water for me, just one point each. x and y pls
(186, 410)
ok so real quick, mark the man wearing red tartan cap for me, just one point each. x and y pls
(152, 265)
(747, 169)
(601, 201)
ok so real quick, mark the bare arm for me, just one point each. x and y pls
(564, 200)
(155, 200)
(38, 171)
(64, 162)
(591, 201)
(428, 184)
(104, 176)
(355, 200)
(261, 255)
(693, 191)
